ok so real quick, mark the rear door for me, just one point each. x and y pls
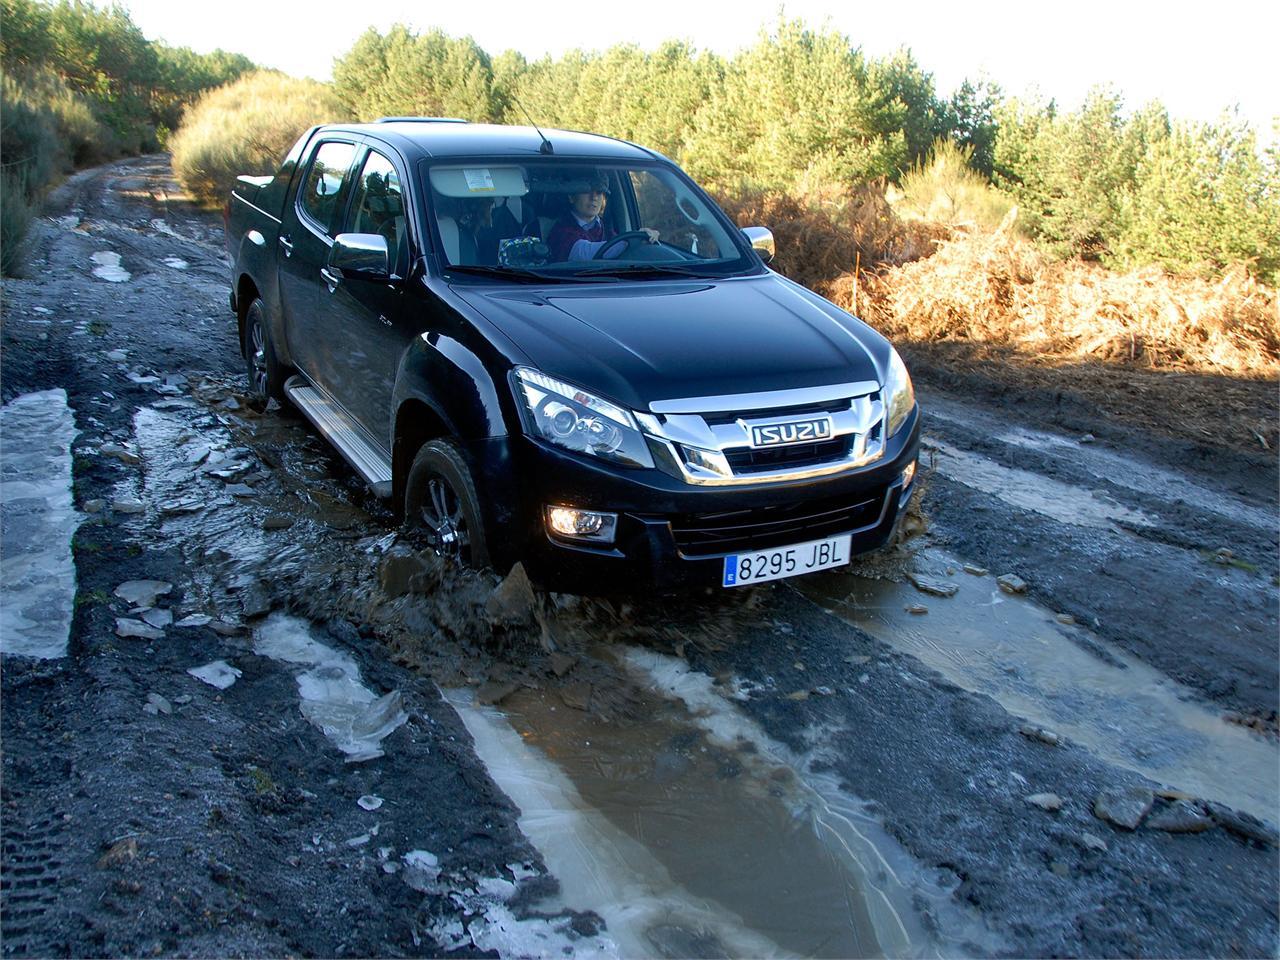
(305, 238)
(364, 320)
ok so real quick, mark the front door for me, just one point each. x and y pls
(305, 239)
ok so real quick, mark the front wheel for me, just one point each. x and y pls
(441, 505)
(264, 372)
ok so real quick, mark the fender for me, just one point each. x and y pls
(255, 263)
(450, 379)
(443, 389)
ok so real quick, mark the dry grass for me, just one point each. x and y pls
(999, 289)
(831, 231)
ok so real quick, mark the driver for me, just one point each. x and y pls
(580, 233)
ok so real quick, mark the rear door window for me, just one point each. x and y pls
(319, 196)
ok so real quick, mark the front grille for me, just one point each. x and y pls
(748, 460)
(817, 409)
(740, 531)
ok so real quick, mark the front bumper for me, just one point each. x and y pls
(672, 536)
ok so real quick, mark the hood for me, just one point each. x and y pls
(637, 343)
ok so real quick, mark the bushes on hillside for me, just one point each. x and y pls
(246, 127)
(81, 85)
(803, 111)
(1140, 189)
(98, 53)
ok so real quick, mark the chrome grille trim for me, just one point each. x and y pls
(733, 402)
(693, 450)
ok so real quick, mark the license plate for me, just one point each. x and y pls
(744, 568)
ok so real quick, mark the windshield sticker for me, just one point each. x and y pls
(479, 181)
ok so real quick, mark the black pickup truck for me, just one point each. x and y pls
(553, 347)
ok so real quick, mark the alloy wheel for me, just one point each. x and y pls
(444, 521)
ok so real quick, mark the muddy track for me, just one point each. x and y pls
(833, 766)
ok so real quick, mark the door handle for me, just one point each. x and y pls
(330, 278)
(286, 245)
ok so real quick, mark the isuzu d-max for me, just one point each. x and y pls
(553, 347)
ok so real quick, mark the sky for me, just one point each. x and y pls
(1196, 58)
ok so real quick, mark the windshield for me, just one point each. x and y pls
(563, 220)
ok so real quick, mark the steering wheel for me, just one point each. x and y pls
(627, 237)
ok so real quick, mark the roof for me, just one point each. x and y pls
(435, 138)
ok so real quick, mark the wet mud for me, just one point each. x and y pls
(1059, 675)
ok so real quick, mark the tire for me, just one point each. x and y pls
(265, 373)
(442, 507)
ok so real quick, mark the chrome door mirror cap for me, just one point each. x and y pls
(362, 255)
(761, 240)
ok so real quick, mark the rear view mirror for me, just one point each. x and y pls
(761, 240)
(362, 255)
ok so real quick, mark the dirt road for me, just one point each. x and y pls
(379, 757)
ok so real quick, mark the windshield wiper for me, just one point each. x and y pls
(522, 274)
(642, 269)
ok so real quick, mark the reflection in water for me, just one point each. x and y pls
(333, 697)
(1020, 655)
(691, 836)
(1032, 491)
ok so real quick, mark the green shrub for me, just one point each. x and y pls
(16, 211)
(944, 188)
(407, 74)
(804, 103)
(246, 127)
(81, 139)
(1203, 200)
(46, 130)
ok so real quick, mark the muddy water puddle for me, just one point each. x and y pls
(1117, 468)
(1032, 491)
(694, 835)
(1041, 669)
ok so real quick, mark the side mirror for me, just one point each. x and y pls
(362, 255)
(761, 240)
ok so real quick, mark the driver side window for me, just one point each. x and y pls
(378, 208)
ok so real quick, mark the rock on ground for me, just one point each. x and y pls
(1124, 807)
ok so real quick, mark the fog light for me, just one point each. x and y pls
(908, 474)
(577, 524)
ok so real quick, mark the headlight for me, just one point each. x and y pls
(899, 395)
(569, 417)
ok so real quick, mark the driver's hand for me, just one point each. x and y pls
(651, 233)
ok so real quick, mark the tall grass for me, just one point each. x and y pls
(944, 188)
(46, 129)
(16, 210)
(246, 127)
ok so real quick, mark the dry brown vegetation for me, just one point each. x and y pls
(831, 231)
(997, 288)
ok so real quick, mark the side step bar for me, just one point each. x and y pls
(345, 436)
